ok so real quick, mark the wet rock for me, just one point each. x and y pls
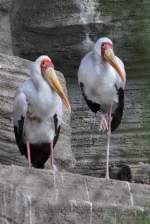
(122, 173)
(13, 71)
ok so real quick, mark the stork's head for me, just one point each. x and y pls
(104, 48)
(45, 68)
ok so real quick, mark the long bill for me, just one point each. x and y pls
(111, 59)
(53, 81)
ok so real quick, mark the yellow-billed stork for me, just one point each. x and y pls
(102, 79)
(38, 113)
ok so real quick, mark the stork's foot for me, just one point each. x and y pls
(54, 168)
(52, 165)
(103, 126)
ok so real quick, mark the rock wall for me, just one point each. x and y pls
(52, 27)
(66, 30)
(31, 196)
(5, 27)
(13, 71)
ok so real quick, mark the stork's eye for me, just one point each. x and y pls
(46, 63)
(106, 45)
(103, 45)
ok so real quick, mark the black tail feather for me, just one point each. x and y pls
(57, 130)
(19, 134)
(40, 152)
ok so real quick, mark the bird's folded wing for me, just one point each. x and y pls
(20, 107)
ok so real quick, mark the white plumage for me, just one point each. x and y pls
(99, 77)
(38, 102)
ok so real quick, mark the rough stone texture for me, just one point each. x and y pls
(67, 29)
(52, 27)
(34, 196)
(5, 27)
(6, 5)
(13, 71)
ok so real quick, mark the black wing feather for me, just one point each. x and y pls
(19, 134)
(57, 130)
(117, 115)
(95, 107)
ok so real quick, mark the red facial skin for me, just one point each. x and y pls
(45, 64)
(105, 46)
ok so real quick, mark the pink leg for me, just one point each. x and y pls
(108, 140)
(103, 123)
(109, 119)
(51, 155)
(29, 154)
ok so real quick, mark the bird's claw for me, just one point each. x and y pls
(103, 126)
(54, 168)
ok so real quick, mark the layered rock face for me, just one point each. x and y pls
(57, 28)
(31, 196)
(5, 27)
(66, 30)
(13, 72)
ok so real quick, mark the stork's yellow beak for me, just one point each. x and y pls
(111, 59)
(53, 81)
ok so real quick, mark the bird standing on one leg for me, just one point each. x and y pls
(38, 113)
(102, 81)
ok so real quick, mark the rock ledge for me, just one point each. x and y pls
(41, 196)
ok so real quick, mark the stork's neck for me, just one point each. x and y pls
(37, 78)
(100, 61)
(40, 84)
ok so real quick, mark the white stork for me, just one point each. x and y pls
(102, 81)
(38, 113)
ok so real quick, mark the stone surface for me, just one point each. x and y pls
(6, 5)
(38, 196)
(66, 30)
(13, 71)
(58, 28)
(5, 27)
